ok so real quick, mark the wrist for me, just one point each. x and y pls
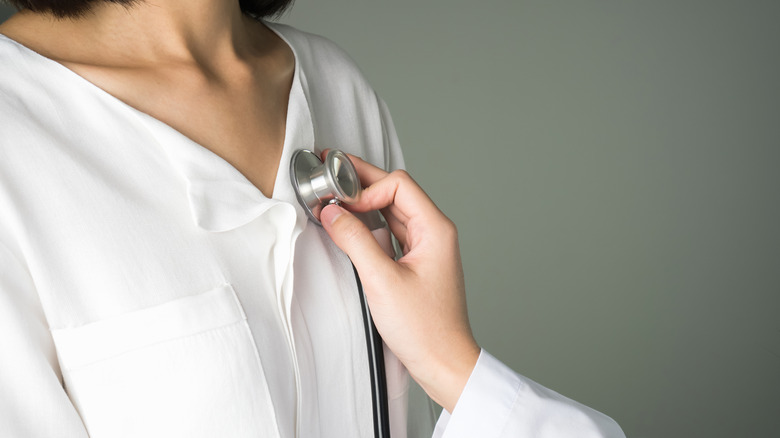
(444, 379)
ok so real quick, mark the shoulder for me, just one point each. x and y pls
(27, 110)
(321, 58)
(15, 54)
(14, 77)
(313, 47)
(21, 90)
(11, 60)
(345, 108)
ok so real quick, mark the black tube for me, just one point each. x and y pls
(376, 363)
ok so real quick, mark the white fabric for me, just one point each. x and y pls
(148, 289)
(497, 402)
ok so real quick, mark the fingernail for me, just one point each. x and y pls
(330, 213)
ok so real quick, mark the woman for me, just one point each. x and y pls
(158, 276)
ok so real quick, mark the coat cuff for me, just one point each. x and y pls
(497, 402)
(486, 403)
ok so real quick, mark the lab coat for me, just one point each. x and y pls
(148, 289)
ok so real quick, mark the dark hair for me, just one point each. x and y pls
(78, 8)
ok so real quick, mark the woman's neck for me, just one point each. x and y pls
(208, 33)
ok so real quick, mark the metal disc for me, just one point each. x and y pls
(343, 176)
(302, 164)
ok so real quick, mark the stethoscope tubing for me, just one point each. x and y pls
(376, 363)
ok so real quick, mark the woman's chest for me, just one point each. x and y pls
(192, 303)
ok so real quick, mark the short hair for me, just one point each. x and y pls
(79, 8)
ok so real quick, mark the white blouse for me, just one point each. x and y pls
(148, 289)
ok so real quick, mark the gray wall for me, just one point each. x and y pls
(613, 169)
(5, 11)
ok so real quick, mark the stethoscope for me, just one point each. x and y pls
(334, 181)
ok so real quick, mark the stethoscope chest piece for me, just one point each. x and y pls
(319, 183)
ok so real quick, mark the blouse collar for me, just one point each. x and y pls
(221, 198)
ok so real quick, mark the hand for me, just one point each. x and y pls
(418, 302)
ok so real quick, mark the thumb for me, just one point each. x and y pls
(355, 239)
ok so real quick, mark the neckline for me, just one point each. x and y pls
(95, 89)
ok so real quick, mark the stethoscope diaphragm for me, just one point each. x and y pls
(319, 183)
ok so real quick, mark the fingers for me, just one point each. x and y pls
(367, 172)
(355, 239)
(397, 228)
(401, 196)
(398, 196)
(383, 190)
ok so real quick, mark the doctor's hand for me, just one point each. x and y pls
(418, 302)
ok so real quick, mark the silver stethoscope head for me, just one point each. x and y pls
(319, 183)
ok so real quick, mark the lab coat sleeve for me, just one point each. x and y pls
(33, 402)
(497, 402)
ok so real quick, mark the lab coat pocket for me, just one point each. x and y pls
(185, 368)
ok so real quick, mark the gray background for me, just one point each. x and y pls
(613, 170)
